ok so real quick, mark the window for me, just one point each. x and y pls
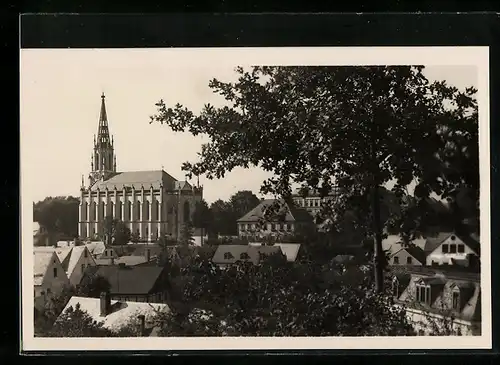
(85, 253)
(460, 248)
(409, 260)
(138, 211)
(423, 293)
(146, 206)
(129, 210)
(157, 209)
(120, 211)
(247, 227)
(445, 248)
(228, 256)
(395, 288)
(280, 226)
(453, 238)
(55, 271)
(49, 291)
(111, 209)
(396, 260)
(273, 227)
(83, 267)
(455, 300)
(286, 226)
(105, 253)
(244, 256)
(453, 248)
(95, 211)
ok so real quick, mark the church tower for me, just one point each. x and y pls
(103, 160)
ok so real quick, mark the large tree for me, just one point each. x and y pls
(355, 127)
(202, 218)
(116, 232)
(58, 214)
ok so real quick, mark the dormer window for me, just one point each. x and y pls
(445, 248)
(228, 256)
(244, 256)
(396, 260)
(423, 293)
(453, 237)
(85, 254)
(453, 248)
(460, 248)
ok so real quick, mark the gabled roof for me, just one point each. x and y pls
(63, 253)
(182, 185)
(41, 262)
(76, 253)
(290, 212)
(137, 179)
(122, 313)
(130, 279)
(96, 248)
(131, 260)
(433, 242)
(416, 252)
(290, 250)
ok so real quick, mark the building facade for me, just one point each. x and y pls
(150, 203)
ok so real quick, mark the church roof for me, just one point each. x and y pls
(137, 179)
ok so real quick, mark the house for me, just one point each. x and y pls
(134, 283)
(229, 254)
(41, 236)
(49, 277)
(449, 248)
(401, 254)
(312, 200)
(115, 315)
(286, 221)
(74, 259)
(444, 301)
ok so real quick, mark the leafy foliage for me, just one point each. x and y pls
(116, 232)
(282, 299)
(75, 322)
(58, 215)
(358, 128)
(186, 234)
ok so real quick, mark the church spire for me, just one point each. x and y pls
(103, 159)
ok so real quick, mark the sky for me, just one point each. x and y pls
(60, 103)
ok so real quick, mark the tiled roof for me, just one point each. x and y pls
(96, 248)
(130, 279)
(290, 212)
(122, 314)
(236, 251)
(137, 179)
(41, 262)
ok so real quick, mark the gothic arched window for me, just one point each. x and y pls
(120, 211)
(187, 213)
(157, 209)
(102, 210)
(139, 210)
(112, 209)
(146, 207)
(129, 211)
(95, 211)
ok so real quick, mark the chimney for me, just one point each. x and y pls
(148, 254)
(121, 265)
(142, 324)
(105, 303)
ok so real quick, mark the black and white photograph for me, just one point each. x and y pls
(255, 198)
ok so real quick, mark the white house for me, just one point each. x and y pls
(49, 276)
(74, 260)
(449, 249)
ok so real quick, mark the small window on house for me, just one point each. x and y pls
(409, 260)
(455, 300)
(105, 253)
(460, 248)
(55, 272)
(228, 256)
(262, 256)
(244, 256)
(49, 291)
(445, 248)
(286, 226)
(273, 227)
(85, 254)
(396, 260)
(453, 238)
(453, 248)
(83, 267)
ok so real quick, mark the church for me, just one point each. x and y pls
(151, 203)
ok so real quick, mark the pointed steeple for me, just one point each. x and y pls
(103, 159)
(103, 131)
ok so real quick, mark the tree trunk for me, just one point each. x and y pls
(378, 259)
